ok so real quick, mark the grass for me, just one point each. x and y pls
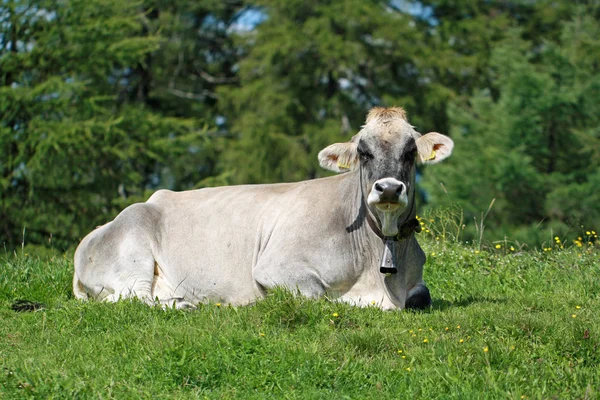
(505, 324)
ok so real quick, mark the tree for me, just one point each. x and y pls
(102, 102)
(308, 75)
(534, 148)
(79, 135)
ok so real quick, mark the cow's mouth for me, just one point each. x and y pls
(387, 206)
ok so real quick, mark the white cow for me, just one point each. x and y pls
(319, 237)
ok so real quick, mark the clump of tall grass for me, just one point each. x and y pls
(449, 225)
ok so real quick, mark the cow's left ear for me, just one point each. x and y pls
(339, 157)
(433, 147)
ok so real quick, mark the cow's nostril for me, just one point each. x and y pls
(400, 190)
(378, 188)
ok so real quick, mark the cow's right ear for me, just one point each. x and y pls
(339, 157)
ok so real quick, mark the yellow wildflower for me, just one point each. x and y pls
(573, 315)
(335, 314)
(485, 349)
(399, 351)
(588, 233)
(425, 340)
(498, 246)
(512, 248)
(461, 341)
(218, 304)
(408, 369)
(578, 307)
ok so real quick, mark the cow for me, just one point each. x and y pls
(350, 236)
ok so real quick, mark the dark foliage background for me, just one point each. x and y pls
(104, 101)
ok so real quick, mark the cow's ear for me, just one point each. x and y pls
(339, 157)
(433, 147)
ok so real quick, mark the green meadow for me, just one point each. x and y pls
(505, 324)
(103, 102)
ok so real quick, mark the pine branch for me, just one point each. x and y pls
(191, 95)
(214, 79)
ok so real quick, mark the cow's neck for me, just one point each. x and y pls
(365, 244)
(391, 249)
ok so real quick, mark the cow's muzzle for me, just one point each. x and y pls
(388, 194)
(389, 198)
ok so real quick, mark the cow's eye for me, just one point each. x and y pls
(410, 156)
(364, 155)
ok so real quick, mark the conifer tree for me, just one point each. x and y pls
(103, 101)
(535, 148)
(309, 73)
(87, 126)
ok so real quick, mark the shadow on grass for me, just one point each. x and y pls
(443, 305)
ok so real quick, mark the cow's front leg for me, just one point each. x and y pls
(418, 297)
(296, 278)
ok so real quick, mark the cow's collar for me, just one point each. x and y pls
(387, 263)
(407, 228)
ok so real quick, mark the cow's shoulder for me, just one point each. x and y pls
(161, 196)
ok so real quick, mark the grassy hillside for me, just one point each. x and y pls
(504, 324)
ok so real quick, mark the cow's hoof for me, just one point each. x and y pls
(418, 298)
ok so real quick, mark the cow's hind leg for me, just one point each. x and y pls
(129, 275)
(163, 292)
(116, 261)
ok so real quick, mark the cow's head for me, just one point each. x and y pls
(386, 151)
